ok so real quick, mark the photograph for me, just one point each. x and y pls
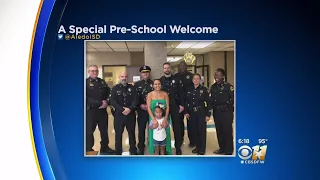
(159, 98)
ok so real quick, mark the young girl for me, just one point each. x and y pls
(159, 131)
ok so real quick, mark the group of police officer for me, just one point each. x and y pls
(187, 97)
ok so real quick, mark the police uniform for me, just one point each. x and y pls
(186, 79)
(197, 106)
(222, 98)
(174, 87)
(97, 91)
(143, 87)
(124, 96)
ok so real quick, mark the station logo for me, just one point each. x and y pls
(253, 155)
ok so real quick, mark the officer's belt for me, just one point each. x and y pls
(196, 108)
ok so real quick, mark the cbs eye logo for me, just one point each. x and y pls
(256, 152)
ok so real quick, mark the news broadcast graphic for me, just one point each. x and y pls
(263, 49)
(144, 61)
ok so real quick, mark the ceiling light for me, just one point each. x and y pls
(186, 44)
(174, 58)
(194, 44)
(202, 44)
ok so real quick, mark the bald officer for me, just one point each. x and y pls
(186, 78)
(143, 87)
(124, 100)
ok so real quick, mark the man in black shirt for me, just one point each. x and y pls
(97, 93)
(124, 100)
(174, 87)
(143, 87)
(186, 79)
(222, 99)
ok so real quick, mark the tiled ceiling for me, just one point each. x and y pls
(174, 48)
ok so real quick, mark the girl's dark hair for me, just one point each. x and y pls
(162, 110)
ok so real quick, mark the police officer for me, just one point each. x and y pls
(174, 87)
(143, 87)
(124, 100)
(97, 93)
(197, 110)
(222, 98)
(186, 78)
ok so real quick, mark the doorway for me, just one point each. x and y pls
(110, 73)
(204, 72)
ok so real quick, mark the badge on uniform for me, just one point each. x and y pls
(231, 88)
(91, 84)
(201, 91)
(129, 89)
(188, 77)
(173, 81)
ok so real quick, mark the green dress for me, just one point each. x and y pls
(151, 148)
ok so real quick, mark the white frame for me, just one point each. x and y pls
(168, 156)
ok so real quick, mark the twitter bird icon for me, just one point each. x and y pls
(60, 36)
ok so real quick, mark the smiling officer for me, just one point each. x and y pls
(97, 94)
(143, 87)
(174, 87)
(197, 111)
(186, 78)
(124, 100)
(222, 99)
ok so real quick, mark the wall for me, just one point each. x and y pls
(216, 59)
(137, 58)
(107, 58)
(115, 71)
(231, 67)
(114, 58)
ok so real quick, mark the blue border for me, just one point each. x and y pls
(43, 20)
